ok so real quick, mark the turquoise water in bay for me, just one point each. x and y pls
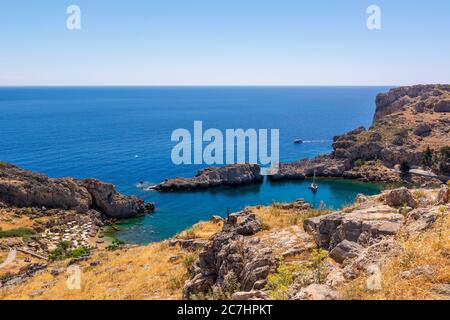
(122, 135)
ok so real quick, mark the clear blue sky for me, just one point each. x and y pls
(224, 42)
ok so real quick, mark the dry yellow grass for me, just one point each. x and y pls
(202, 230)
(156, 271)
(431, 248)
(9, 221)
(273, 217)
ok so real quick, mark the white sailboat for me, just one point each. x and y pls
(314, 186)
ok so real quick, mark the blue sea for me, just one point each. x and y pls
(123, 135)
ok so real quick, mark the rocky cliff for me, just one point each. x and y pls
(24, 188)
(411, 125)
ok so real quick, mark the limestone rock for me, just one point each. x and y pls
(423, 130)
(442, 106)
(361, 226)
(237, 174)
(250, 295)
(345, 250)
(400, 197)
(24, 188)
(231, 258)
(443, 196)
(420, 220)
(316, 292)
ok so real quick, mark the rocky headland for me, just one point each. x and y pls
(231, 175)
(411, 127)
(38, 213)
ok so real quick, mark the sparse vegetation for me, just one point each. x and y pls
(427, 157)
(17, 233)
(360, 163)
(63, 251)
(3, 164)
(278, 283)
(318, 258)
(405, 167)
(430, 248)
(115, 245)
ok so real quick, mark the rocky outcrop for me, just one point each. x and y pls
(443, 196)
(400, 197)
(426, 96)
(113, 204)
(324, 166)
(24, 188)
(213, 177)
(316, 292)
(345, 250)
(237, 261)
(229, 261)
(362, 226)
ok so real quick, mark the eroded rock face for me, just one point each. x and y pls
(231, 261)
(443, 196)
(324, 166)
(24, 188)
(215, 176)
(396, 99)
(363, 226)
(420, 220)
(442, 106)
(112, 203)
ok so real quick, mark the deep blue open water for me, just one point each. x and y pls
(122, 135)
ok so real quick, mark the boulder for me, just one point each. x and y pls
(400, 197)
(420, 220)
(250, 295)
(423, 130)
(345, 250)
(442, 106)
(316, 292)
(443, 196)
(426, 271)
(243, 224)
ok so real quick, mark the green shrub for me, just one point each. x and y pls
(3, 164)
(115, 245)
(278, 283)
(318, 258)
(360, 162)
(405, 167)
(63, 251)
(16, 233)
(190, 260)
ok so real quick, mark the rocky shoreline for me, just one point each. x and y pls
(411, 125)
(55, 211)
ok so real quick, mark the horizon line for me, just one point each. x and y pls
(192, 85)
